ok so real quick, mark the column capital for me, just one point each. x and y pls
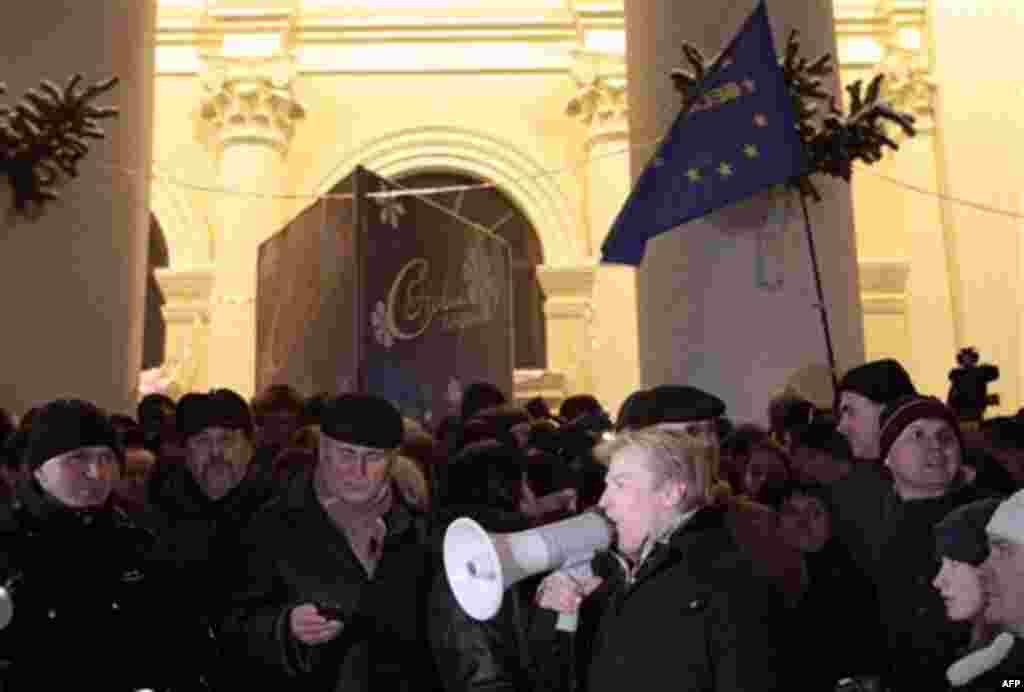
(600, 100)
(250, 100)
(249, 67)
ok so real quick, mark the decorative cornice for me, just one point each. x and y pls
(549, 385)
(187, 293)
(883, 286)
(348, 39)
(883, 275)
(567, 283)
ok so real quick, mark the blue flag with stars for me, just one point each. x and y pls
(738, 137)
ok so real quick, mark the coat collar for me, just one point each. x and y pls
(299, 500)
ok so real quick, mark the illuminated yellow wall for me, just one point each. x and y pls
(484, 89)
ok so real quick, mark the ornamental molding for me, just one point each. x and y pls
(360, 38)
(251, 100)
(600, 101)
(883, 286)
(520, 176)
(890, 37)
(248, 65)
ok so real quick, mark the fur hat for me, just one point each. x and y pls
(1008, 519)
(881, 381)
(961, 535)
(362, 419)
(68, 424)
(900, 413)
(221, 407)
(672, 403)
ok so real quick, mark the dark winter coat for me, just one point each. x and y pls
(296, 555)
(194, 557)
(893, 542)
(697, 618)
(831, 631)
(493, 655)
(82, 592)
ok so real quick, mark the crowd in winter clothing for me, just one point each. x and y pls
(289, 542)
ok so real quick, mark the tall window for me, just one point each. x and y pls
(493, 210)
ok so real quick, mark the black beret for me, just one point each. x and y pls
(362, 419)
(961, 535)
(65, 425)
(881, 381)
(670, 403)
(220, 408)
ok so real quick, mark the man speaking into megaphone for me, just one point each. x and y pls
(679, 600)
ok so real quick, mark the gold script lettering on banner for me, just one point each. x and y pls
(409, 302)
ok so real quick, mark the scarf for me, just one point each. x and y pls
(363, 523)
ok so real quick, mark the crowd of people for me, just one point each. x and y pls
(214, 543)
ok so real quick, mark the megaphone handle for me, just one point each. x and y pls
(567, 622)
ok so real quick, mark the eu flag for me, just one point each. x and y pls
(738, 137)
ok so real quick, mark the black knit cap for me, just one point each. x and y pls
(221, 408)
(898, 414)
(671, 403)
(961, 535)
(362, 419)
(881, 381)
(65, 425)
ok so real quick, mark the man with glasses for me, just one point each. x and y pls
(72, 566)
(334, 590)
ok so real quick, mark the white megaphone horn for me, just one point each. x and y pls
(481, 565)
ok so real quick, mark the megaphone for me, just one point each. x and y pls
(481, 565)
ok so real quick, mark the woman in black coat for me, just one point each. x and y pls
(484, 482)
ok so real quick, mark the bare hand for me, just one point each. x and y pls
(563, 593)
(310, 627)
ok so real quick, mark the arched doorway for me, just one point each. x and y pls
(493, 210)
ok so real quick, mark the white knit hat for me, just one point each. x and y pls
(1008, 519)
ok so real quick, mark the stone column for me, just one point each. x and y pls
(72, 282)
(706, 316)
(250, 106)
(602, 106)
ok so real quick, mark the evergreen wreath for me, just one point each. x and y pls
(831, 143)
(45, 136)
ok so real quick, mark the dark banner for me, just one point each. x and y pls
(394, 296)
(437, 304)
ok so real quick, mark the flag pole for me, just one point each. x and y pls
(822, 307)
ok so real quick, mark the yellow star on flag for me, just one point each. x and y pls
(751, 151)
(694, 175)
(725, 170)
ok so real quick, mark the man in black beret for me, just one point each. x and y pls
(73, 564)
(686, 409)
(863, 393)
(200, 505)
(333, 594)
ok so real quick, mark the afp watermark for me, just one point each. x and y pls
(1013, 683)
